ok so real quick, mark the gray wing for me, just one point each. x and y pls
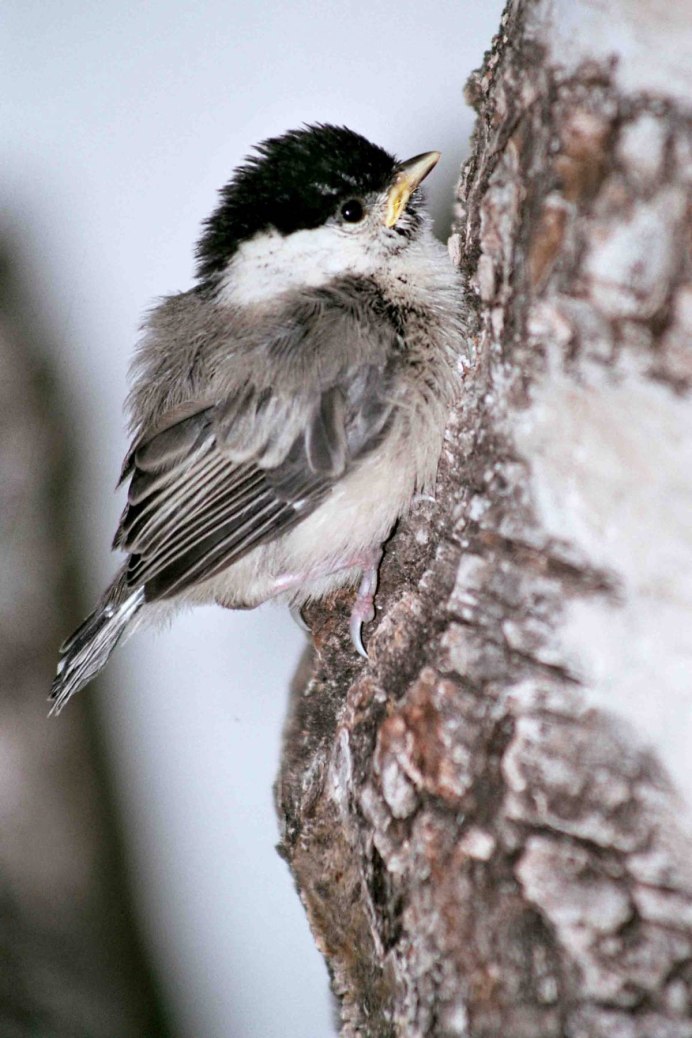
(204, 490)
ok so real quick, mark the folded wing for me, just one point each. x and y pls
(201, 495)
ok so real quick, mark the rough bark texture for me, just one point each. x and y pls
(481, 851)
(70, 964)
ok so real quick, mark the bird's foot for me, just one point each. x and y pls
(363, 611)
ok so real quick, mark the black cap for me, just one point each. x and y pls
(293, 182)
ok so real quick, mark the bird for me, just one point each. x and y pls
(288, 408)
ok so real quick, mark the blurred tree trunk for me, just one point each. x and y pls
(70, 963)
(483, 848)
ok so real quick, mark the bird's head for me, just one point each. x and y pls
(309, 205)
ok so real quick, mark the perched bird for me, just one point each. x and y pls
(285, 410)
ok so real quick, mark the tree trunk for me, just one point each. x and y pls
(487, 823)
(70, 961)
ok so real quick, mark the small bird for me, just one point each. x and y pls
(286, 410)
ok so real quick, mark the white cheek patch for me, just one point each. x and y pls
(271, 263)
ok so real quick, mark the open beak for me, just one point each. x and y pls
(408, 176)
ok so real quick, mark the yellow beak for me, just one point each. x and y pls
(409, 175)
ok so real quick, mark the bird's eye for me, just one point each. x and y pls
(352, 211)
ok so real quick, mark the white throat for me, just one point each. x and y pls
(271, 263)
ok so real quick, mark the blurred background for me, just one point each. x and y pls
(140, 892)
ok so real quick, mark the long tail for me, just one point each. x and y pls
(84, 654)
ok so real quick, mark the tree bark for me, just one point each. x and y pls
(488, 822)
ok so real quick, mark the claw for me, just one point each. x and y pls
(355, 627)
(363, 611)
(297, 617)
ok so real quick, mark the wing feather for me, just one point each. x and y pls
(156, 555)
(192, 516)
(185, 493)
(220, 549)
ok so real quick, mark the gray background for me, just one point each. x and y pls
(119, 122)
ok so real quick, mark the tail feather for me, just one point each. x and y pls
(87, 651)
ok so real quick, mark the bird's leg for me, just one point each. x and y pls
(363, 610)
